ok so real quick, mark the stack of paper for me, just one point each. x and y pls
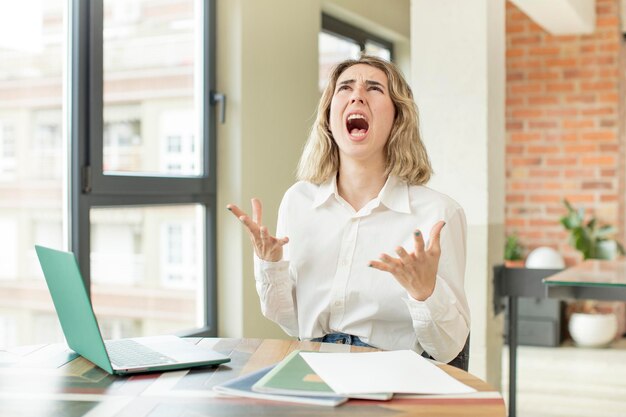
(332, 378)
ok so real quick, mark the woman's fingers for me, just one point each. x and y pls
(435, 237)
(418, 240)
(404, 256)
(266, 246)
(250, 225)
(257, 211)
(235, 210)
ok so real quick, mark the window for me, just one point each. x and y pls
(145, 202)
(339, 41)
(107, 138)
(32, 78)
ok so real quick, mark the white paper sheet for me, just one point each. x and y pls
(401, 371)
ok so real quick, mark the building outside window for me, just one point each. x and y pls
(147, 270)
(339, 41)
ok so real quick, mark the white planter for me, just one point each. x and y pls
(592, 330)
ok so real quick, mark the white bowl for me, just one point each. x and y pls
(592, 330)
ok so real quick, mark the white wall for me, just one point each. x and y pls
(267, 60)
(458, 76)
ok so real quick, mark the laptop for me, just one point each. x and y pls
(122, 356)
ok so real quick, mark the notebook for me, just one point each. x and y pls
(80, 327)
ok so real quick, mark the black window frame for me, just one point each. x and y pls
(341, 29)
(89, 187)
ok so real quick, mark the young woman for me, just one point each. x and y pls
(352, 263)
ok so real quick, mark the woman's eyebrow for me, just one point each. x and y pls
(368, 82)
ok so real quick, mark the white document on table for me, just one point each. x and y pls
(400, 372)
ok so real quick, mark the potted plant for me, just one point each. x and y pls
(513, 252)
(591, 240)
(588, 325)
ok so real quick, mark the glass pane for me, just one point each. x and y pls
(32, 44)
(375, 49)
(332, 50)
(147, 269)
(151, 114)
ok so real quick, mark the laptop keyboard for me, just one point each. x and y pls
(126, 352)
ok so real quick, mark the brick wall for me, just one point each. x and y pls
(563, 133)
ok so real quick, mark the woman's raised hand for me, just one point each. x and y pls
(266, 247)
(416, 271)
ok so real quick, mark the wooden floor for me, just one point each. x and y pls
(569, 381)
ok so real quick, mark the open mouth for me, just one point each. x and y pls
(357, 125)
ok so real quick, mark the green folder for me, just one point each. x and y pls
(294, 376)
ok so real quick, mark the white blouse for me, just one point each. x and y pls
(324, 283)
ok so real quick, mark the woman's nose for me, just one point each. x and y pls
(357, 95)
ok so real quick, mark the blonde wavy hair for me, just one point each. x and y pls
(405, 153)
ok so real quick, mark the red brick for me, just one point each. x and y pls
(607, 123)
(527, 113)
(597, 60)
(560, 87)
(515, 198)
(579, 173)
(540, 173)
(516, 162)
(512, 222)
(608, 198)
(598, 86)
(598, 160)
(524, 64)
(577, 123)
(599, 135)
(580, 98)
(562, 112)
(514, 149)
(597, 185)
(544, 51)
(515, 52)
(612, 21)
(543, 124)
(515, 76)
(541, 100)
(612, 98)
(598, 111)
(589, 49)
(543, 222)
(561, 161)
(580, 198)
(578, 73)
(515, 27)
(525, 137)
(579, 149)
(543, 149)
(561, 62)
(543, 75)
(544, 198)
(526, 88)
(611, 148)
(532, 39)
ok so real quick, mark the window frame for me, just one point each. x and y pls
(339, 28)
(90, 188)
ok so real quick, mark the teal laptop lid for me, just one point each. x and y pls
(73, 306)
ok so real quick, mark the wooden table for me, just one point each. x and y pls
(50, 380)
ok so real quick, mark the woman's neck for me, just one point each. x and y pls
(358, 184)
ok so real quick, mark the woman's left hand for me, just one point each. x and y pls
(416, 271)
